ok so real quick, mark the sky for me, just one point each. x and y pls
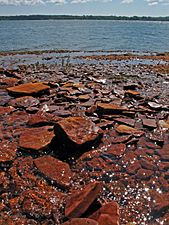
(85, 7)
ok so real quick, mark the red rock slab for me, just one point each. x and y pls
(108, 214)
(116, 149)
(123, 129)
(160, 203)
(24, 102)
(54, 170)
(130, 122)
(28, 89)
(149, 123)
(109, 108)
(80, 201)
(6, 110)
(76, 130)
(36, 139)
(81, 221)
(7, 151)
(41, 118)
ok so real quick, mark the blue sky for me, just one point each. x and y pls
(85, 7)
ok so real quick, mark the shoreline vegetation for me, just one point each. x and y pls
(84, 17)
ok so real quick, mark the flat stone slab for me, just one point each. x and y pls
(76, 131)
(28, 89)
(36, 139)
(80, 201)
(55, 170)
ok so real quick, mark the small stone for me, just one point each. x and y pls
(80, 201)
(130, 122)
(36, 139)
(54, 170)
(28, 89)
(123, 129)
(132, 94)
(154, 105)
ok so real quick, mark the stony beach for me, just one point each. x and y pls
(84, 143)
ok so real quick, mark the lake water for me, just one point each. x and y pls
(84, 35)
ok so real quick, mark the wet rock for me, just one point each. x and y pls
(36, 139)
(8, 82)
(54, 170)
(7, 151)
(133, 167)
(41, 119)
(160, 203)
(81, 221)
(76, 132)
(116, 149)
(108, 214)
(80, 201)
(144, 174)
(24, 102)
(6, 110)
(39, 205)
(28, 89)
(123, 129)
(17, 119)
(151, 123)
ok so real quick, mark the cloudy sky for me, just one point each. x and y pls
(87, 7)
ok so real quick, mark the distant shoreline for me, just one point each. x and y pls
(85, 17)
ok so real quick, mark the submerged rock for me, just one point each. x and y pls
(54, 170)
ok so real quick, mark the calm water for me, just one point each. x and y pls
(84, 35)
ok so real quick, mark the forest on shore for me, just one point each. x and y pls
(84, 17)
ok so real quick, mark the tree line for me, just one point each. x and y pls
(84, 17)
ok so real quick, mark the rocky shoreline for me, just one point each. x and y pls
(84, 144)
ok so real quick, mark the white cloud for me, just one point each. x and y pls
(128, 1)
(156, 2)
(85, 1)
(150, 2)
(29, 2)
